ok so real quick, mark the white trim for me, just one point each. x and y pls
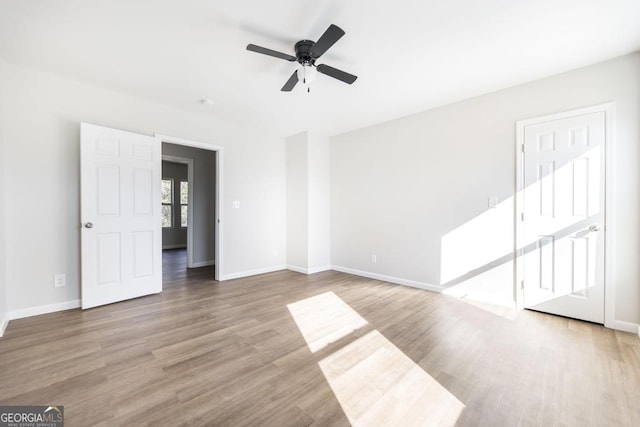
(219, 197)
(202, 264)
(466, 294)
(43, 309)
(609, 284)
(518, 210)
(182, 246)
(4, 324)
(314, 270)
(609, 225)
(621, 325)
(390, 279)
(311, 270)
(191, 182)
(253, 272)
(297, 269)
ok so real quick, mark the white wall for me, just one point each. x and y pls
(297, 202)
(308, 231)
(319, 202)
(3, 284)
(399, 189)
(41, 170)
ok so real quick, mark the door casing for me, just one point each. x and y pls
(219, 259)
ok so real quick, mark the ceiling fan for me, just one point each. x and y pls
(307, 52)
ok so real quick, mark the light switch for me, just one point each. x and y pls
(59, 280)
(236, 204)
(493, 201)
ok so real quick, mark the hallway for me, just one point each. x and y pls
(175, 271)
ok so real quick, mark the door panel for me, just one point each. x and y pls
(563, 226)
(120, 212)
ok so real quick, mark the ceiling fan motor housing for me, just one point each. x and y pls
(303, 52)
(307, 52)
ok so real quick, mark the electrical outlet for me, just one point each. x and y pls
(59, 280)
(374, 258)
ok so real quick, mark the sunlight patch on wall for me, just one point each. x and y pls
(324, 319)
(559, 204)
(377, 384)
(478, 242)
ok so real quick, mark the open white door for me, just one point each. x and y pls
(121, 236)
(563, 234)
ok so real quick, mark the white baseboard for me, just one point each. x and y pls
(183, 246)
(202, 264)
(314, 270)
(254, 272)
(311, 270)
(390, 279)
(297, 269)
(483, 297)
(4, 324)
(43, 309)
(621, 325)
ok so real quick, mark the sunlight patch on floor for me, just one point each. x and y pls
(324, 319)
(377, 384)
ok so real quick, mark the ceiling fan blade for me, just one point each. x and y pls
(326, 40)
(270, 52)
(336, 74)
(291, 83)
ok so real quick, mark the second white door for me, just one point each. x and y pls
(564, 215)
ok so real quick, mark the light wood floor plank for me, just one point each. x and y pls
(208, 353)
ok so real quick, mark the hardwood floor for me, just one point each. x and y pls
(176, 273)
(235, 353)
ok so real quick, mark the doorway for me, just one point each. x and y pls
(561, 206)
(203, 207)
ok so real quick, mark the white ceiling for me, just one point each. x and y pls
(409, 55)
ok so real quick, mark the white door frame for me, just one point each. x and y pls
(189, 162)
(609, 284)
(218, 197)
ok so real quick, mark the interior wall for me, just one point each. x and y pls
(415, 191)
(319, 202)
(42, 138)
(3, 284)
(308, 231)
(176, 235)
(297, 202)
(203, 204)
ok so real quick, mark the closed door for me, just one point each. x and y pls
(564, 216)
(120, 212)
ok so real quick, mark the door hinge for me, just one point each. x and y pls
(522, 284)
(521, 216)
(522, 147)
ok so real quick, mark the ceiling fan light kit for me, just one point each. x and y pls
(307, 52)
(306, 74)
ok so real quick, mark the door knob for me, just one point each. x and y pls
(594, 228)
(89, 225)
